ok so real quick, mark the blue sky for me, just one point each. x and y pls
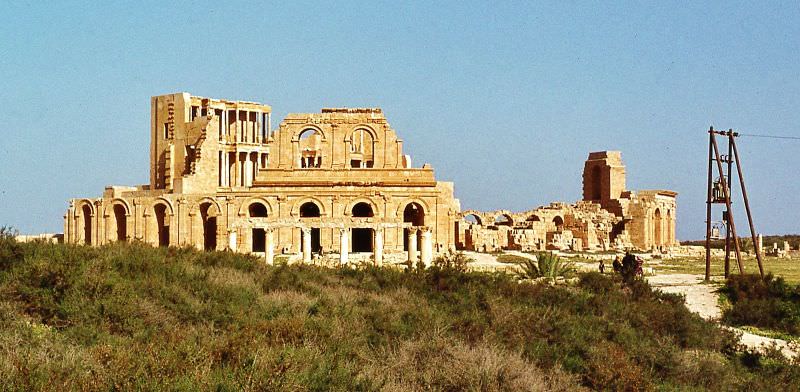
(504, 99)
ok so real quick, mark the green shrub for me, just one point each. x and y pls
(131, 317)
(454, 260)
(765, 303)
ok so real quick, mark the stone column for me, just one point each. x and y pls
(760, 243)
(247, 169)
(269, 251)
(344, 246)
(378, 251)
(225, 170)
(237, 175)
(426, 250)
(306, 245)
(412, 246)
(232, 240)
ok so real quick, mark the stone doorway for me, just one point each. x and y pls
(362, 240)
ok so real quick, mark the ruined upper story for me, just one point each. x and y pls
(205, 145)
(180, 124)
(340, 146)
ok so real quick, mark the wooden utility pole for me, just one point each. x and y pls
(720, 192)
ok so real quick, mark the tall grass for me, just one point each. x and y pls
(128, 316)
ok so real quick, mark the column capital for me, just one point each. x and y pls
(413, 229)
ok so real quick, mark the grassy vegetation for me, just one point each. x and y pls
(747, 242)
(788, 268)
(509, 258)
(127, 316)
(764, 303)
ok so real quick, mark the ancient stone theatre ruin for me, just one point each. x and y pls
(336, 187)
(334, 184)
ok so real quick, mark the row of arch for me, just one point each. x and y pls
(360, 153)
(159, 215)
(504, 219)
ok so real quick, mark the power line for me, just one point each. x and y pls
(770, 136)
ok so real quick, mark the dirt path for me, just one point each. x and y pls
(702, 299)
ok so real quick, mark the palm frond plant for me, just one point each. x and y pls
(547, 265)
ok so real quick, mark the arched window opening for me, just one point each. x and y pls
(309, 210)
(534, 218)
(503, 220)
(209, 227)
(122, 222)
(559, 223)
(362, 210)
(162, 223)
(472, 219)
(414, 214)
(310, 149)
(257, 210)
(87, 224)
(361, 149)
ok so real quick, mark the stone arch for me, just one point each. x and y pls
(295, 212)
(208, 219)
(203, 214)
(80, 203)
(310, 210)
(117, 212)
(158, 216)
(306, 128)
(401, 206)
(362, 210)
(376, 211)
(84, 214)
(165, 202)
(365, 127)
(508, 220)
(533, 218)
(478, 219)
(658, 228)
(244, 208)
(558, 221)
(361, 142)
(215, 212)
(413, 212)
(116, 200)
(310, 152)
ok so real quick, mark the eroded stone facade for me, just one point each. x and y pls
(608, 218)
(334, 184)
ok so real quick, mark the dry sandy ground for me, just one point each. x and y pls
(702, 299)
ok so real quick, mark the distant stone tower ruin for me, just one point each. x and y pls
(603, 176)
